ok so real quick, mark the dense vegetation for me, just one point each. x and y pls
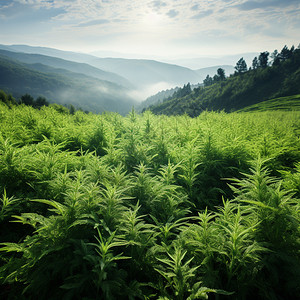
(263, 81)
(162, 95)
(148, 207)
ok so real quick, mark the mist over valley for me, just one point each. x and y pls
(89, 82)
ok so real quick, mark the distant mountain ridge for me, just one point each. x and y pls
(67, 65)
(202, 62)
(63, 87)
(140, 72)
(113, 79)
(147, 72)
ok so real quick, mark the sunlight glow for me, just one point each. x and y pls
(153, 19)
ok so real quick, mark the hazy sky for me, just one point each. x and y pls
(161, 28)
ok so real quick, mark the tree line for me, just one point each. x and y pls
(25, 99)
(262, 61)
(38, 103)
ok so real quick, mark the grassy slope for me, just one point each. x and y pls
(282, 103)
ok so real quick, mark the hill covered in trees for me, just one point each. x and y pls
(63, 86)
(40, 62)
(263, 81)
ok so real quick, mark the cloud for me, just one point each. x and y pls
(93, 23)
(251, 5)
(172, 13)
(4, 7)
(151, 26)
(195, 7)
(157, 5)
(39, 3)
(5, 3)
(203, 14)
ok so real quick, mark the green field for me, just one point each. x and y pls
(149, 207)
(282, 103)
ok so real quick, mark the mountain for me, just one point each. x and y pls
(239, 90)
(208, 61)
(144, 72)
(68, 55)
(146, 75)
(67, 65)
(62, 86)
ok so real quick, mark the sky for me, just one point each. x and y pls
(146, 28)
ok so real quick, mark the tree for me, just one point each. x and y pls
(276, 58)
(208, 81)
(255, 63)
(71, 109)
(3, 97)
(27, 99)
(187, 89)
(184, 91)
(41, 101)
(241, 66)
(286, 53)
(263, 59)
(216, 78)
(11, 100)
(221, 74)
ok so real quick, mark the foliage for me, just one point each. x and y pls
(241, 66)
(244, 88)
(281, 103)
(148, 207)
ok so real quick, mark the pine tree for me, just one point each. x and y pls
(263, 59)
(221, 74)
(208, 81)
(241, 66)
(255, 63)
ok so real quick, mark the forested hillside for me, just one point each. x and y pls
(148, 207)
(162, 95)
(62, 86)
(263, 81)
(39, 62)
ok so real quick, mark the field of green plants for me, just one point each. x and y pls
(149, 207)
